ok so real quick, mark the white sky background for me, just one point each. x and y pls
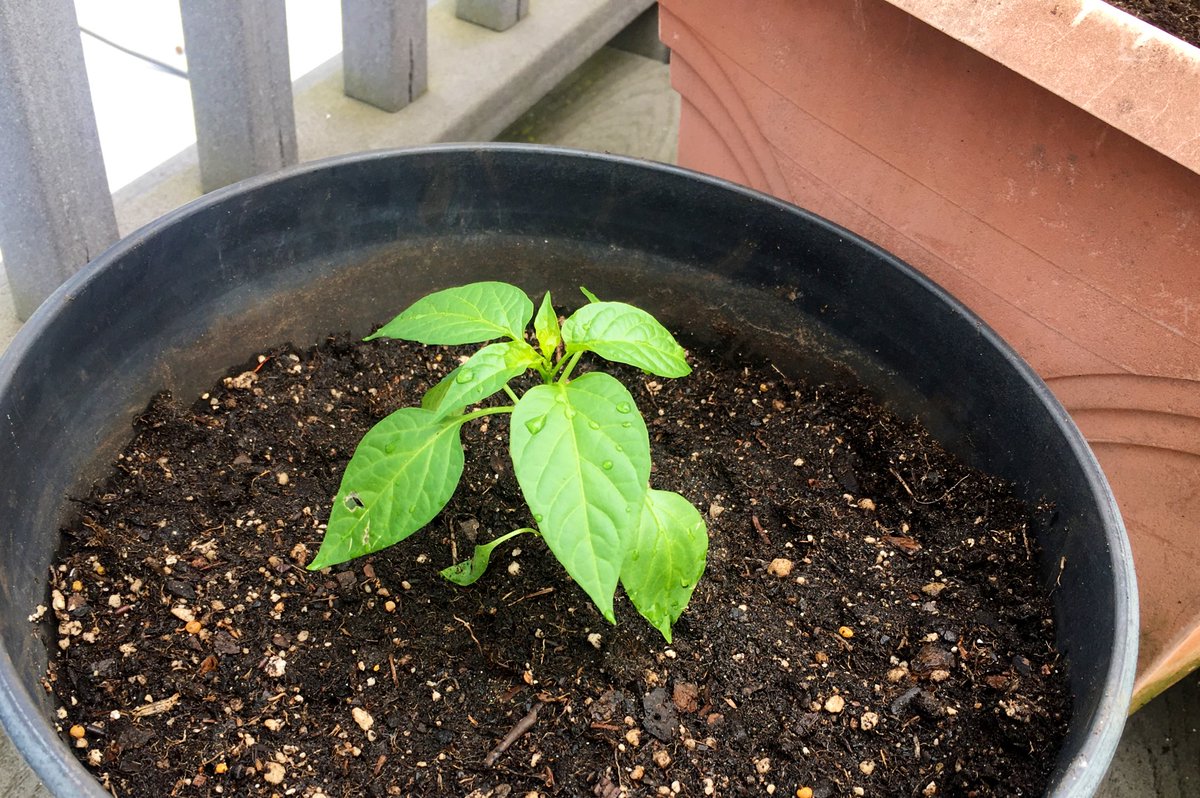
(143, 113)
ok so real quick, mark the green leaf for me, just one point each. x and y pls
(545, 325)
(486, 372)
(402, 474)
(590, 296)
(666, 559)
(625, 334)
(468, 572)
(433, 397)
(582, 457)
(469, 314)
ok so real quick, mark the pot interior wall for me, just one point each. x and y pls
(347, 244)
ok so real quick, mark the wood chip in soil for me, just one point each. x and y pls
(870, 622)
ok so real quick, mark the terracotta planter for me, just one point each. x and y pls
(1039, 159)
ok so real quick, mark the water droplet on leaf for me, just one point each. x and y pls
(534, 425)
(593, 425)
(626, 424)
(389, 448)
(464, 376)
(538, 518)
(624, 407)
(606, 465)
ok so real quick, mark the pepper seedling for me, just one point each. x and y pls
(579, 448)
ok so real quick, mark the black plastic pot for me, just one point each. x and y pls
(340, 244)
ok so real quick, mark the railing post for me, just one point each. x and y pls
(241, 84)
(495, 14)
(56, 212)
(384, 51)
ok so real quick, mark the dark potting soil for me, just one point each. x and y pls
(1180, 18)
(870, 622)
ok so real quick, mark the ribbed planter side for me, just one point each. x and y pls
(1038, 159)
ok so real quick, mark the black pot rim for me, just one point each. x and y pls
(33, 736)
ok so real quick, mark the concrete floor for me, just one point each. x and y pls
(623, 103)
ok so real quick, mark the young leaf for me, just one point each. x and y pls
(581, 454)
(665, 559)
(401, 475)
(469, 314)
(625, 334)
(468, 572)
(590, 296)
(545, 326)
(486, 372)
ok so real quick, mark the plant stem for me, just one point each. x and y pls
(486, 411)
(512, 534)
(571, 361)
(511, 393)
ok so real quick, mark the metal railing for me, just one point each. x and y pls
(56, 211)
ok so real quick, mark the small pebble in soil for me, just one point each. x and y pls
(362, 718)
(275, 773)
(780, 567)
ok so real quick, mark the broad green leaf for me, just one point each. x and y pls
(469, 314)
(486, 372)
(402, 474)
(590, 296)
(468, 572)
(545, 326)
(625, 334)
(582, 457)
(666, 559)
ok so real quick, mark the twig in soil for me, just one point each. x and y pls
(762, 533)
(522, 726)
(908, 490)
(1062, 566)
(903, 484)
(392, 662)
(158, 707)
(534, 594)
(471, 632)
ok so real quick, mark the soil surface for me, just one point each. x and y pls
(1180, 18)
(870, 622)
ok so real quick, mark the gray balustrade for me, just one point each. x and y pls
(56, 212)
(241, 88)
(499, 15)
(384, 51)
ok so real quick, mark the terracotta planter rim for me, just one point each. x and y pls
(1120, 69)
